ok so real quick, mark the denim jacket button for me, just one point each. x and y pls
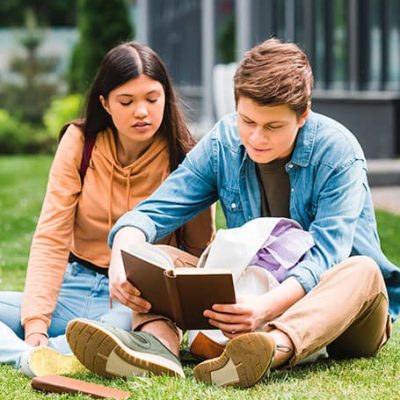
(290, 165)
(233, 206)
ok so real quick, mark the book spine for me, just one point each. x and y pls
(174, 298)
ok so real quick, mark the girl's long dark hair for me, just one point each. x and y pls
(125, 62)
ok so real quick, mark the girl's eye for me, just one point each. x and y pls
(152, 100)
(125, 103)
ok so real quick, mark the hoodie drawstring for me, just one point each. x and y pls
(128, 189)
(127, 193)
(110, 197)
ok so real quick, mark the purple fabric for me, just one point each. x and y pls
(283, 249)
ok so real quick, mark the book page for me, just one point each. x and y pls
(199, 271)
(151, 254)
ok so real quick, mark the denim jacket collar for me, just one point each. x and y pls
(305, 142)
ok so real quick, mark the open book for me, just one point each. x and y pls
(181, 294)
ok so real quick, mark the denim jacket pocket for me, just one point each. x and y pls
(230, 200)
(232, 207)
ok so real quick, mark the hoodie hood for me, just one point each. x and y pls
(107, 148)
(135, 174)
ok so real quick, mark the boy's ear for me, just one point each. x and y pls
(303, 117)
(104, 103)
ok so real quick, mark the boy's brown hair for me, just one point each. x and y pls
(275, 73)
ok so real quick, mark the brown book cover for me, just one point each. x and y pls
(63, 384)
(181, 294)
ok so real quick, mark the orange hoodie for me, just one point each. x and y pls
(77, 218)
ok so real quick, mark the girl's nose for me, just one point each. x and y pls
(141, 111)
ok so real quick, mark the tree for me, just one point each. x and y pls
(226, 41)
(101, 25)
(28, 96)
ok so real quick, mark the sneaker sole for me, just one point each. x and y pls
(103, 353)
(244, 362)
(47, 361)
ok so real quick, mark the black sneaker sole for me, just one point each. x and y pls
(103, 353)
(244, 362)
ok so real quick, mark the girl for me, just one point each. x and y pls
(133, 135)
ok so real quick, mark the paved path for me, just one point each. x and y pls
(387, 198)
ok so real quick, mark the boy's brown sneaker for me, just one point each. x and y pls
(244, 362)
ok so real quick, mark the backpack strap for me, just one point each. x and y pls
(86, 154)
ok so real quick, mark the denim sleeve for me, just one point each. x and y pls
(340, 203)
(186, 192)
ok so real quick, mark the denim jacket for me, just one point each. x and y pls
(329, 196)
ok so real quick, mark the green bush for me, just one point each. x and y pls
(18, 137)
(13, 134)
(61, 110)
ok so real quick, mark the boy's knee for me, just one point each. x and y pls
(367, 274)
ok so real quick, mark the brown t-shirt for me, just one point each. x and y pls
(274, 188)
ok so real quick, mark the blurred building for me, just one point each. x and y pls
(353, 46)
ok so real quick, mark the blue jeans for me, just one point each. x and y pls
(83, 294)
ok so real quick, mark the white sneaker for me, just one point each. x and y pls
(46, 361)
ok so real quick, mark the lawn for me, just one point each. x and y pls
(22, 185)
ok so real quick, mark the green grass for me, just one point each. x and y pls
(22, 185)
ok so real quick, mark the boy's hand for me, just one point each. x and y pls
(120, 289)
(124, 292)
(247, 315)
(252, 313)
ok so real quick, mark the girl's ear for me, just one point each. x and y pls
(104, 103)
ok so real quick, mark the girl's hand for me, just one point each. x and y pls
(37, 339)
(247, 315)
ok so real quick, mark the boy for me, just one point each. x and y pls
(273, 157)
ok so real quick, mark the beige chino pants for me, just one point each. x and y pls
(347, 311)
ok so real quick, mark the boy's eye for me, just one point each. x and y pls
(275, 127)
(247, 122)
